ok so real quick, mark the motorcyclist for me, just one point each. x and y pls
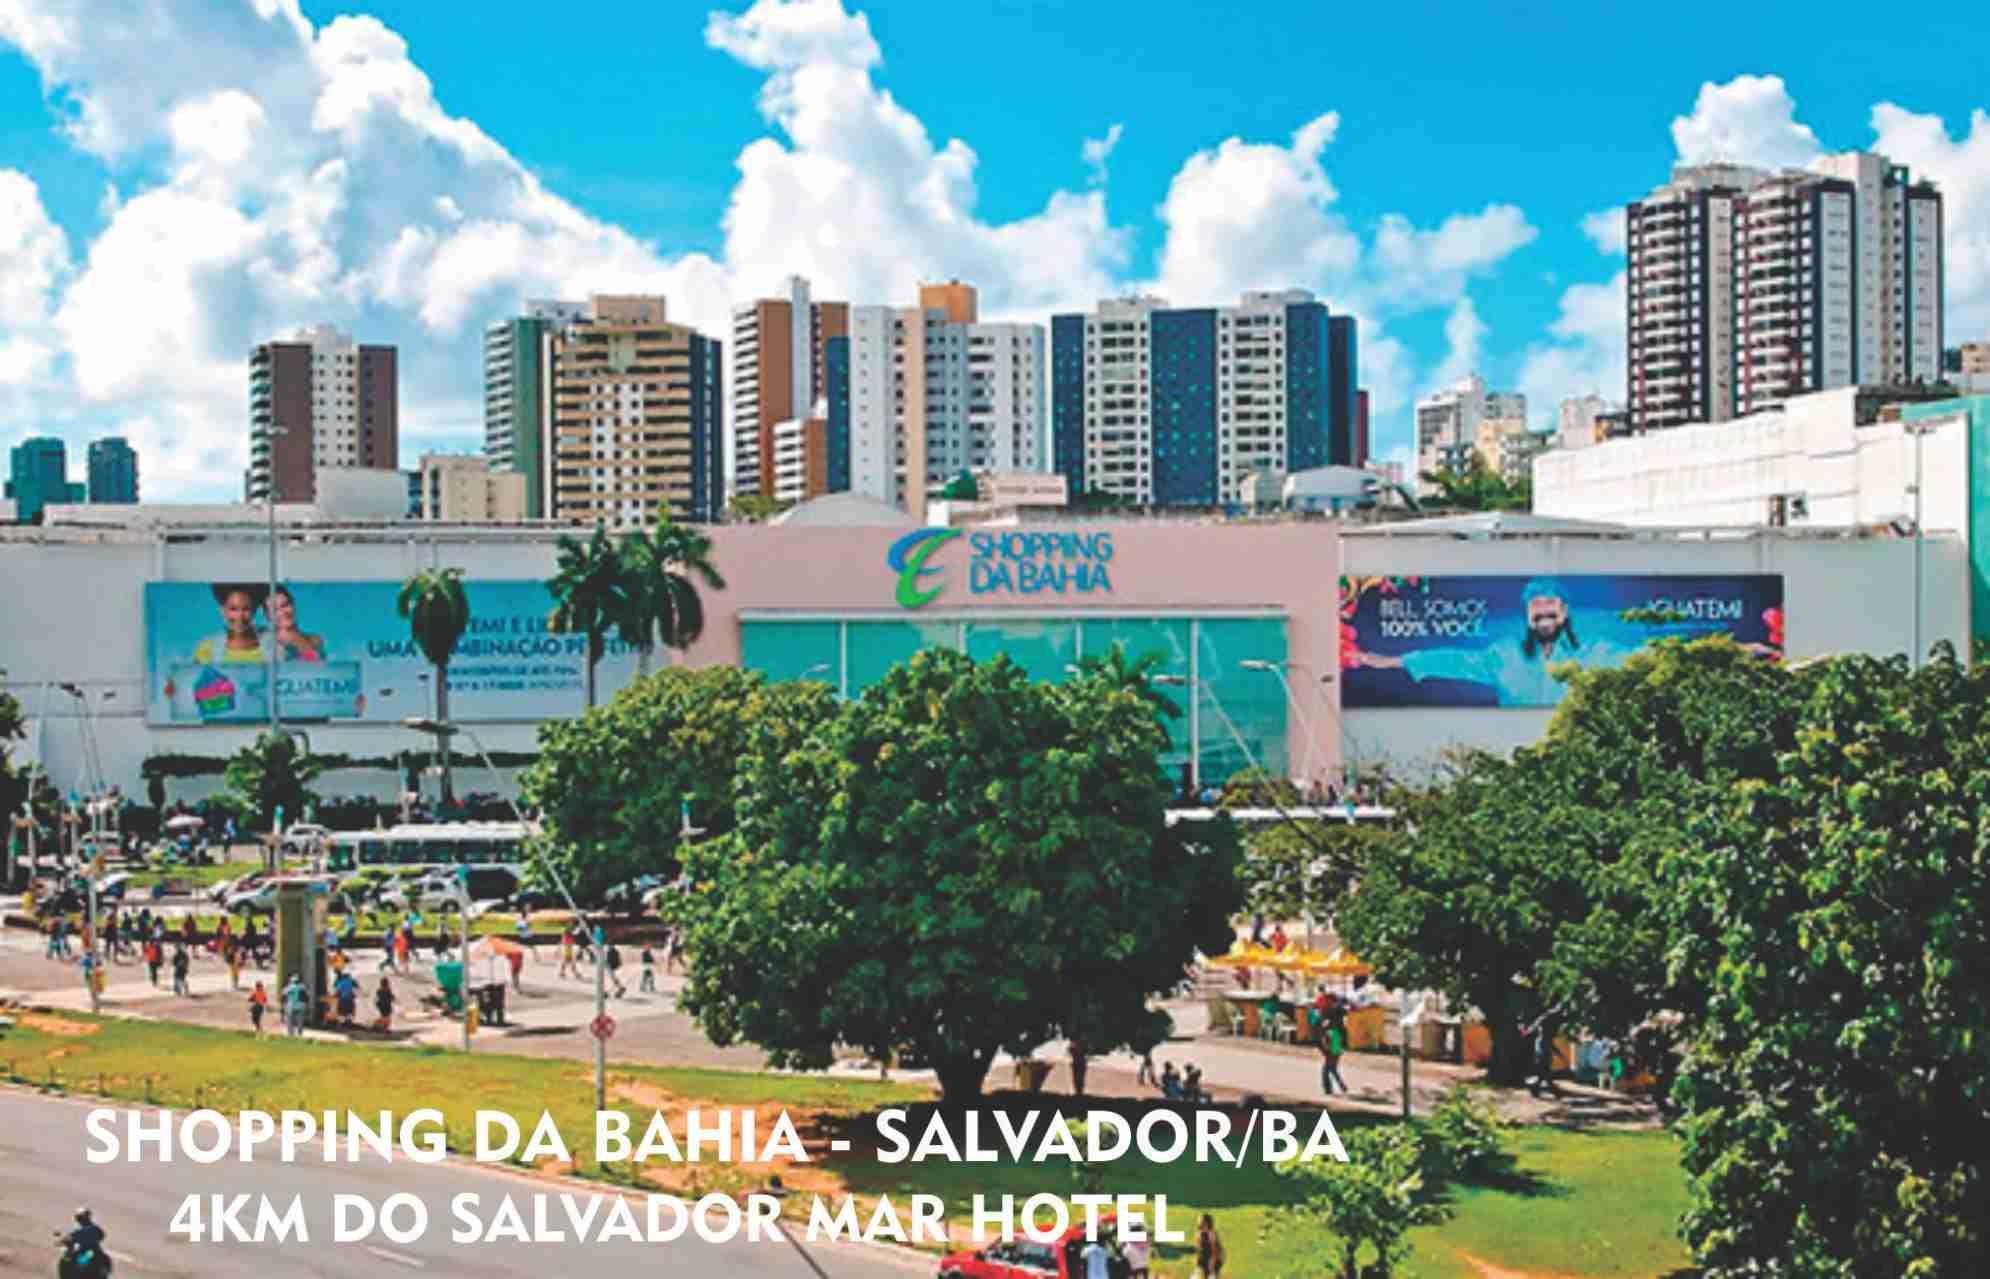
(83, 1249)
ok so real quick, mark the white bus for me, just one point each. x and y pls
(430, 847)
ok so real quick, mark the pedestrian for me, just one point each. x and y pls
(54, 927)
(190, 933)
(90, 971)
(1098, 1260)
(180, 965)
(234, 953)
(614, 963)
(1543, 1078)
(296, 1006)
(1208, 1249)
(1257, 930)
(1080, 1063)
(1333, 1042)
(669, 949)
(1147, 1075)
(383, 1002)
(649, 972)
(567, 961)
(346, 990)
(403, 940)
(154, 958)
(1137, 1253)
(524, 927)
(258, 1005)
(1192, 1086)
(441, 937)
(517, 961)
(1171, 1081)
(387, 949)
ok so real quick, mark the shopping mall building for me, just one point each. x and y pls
(1295, 645)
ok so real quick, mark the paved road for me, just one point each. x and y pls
(44, 1176)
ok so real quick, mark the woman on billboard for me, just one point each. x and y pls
(294, 645)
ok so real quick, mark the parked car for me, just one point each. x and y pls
(227, 888)
(261, 900)
(304, 838)
(112, 887)
(1027, 1259)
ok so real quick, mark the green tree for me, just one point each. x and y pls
(1369, 1203)
(662, 599)
(13, 782)
(961, 488)
(272, 772)
(753, 508)
(611, 785)
(438, 613)
(1835, 1087)
(1476, 487)
(590, 594)
(962, 861)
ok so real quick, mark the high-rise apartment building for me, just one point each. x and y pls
(1177, 407)
(779, 374)
(467, 489)
(319, 400)
(39, 478)
(636, 421)
(1577, 427)
(516, 393)
(1747, 287)
(916, 395)
(113, 471)
(1448, 422)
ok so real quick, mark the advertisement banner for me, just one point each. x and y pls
(344, 654)
(1499, 641)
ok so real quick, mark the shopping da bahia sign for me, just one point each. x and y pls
(1011, 563)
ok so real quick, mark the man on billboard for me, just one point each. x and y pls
(1517, 670)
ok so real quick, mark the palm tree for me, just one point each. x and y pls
(590, 593)
(662, 600)
(1132, 675)
(438, 612)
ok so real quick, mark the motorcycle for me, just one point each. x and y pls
(81, 1262)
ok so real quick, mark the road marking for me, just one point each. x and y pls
(416, 1262)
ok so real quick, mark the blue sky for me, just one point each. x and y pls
(408, 174)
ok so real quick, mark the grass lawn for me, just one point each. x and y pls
(1592, 1204)
(200, 877)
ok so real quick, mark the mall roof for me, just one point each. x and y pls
(844, 510)
(1488, 525)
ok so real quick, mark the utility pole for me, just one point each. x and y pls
(600, 1011)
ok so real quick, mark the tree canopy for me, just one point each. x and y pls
(270, 773)
(611, 784)
(1477, 487)
(960, 862)
(438, 612)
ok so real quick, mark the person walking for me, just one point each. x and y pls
(524, 928)
(1333, 1042)
(154, 958)
(387, 950)
(234, 953)
(346, 991)
(1208, 1249)
(1542, 1033)
(258, 1005)
(614, 962)
(649, 973)
(89, 969)
(567, 961)
(1147, 1075)
(403, 942)
(516, 960)
(1137, 1253)
(296, 1006)
(180, 964)
(383, 1003)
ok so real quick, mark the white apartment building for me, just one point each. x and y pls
(1006, 421)
(319, 401)
(933, 392)
(778, 375)
(1172, 406)
(1831, 459)
(1576, 421)
(1448, 422)
(1748, 287)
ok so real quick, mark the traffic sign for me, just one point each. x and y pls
(602, 1027)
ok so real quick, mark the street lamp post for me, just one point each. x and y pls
(1298, 712)
(269, 605)
(1920, 433)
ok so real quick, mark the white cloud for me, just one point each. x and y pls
(1097, 151)
(1749, 120)
(1464, 331)
(34, 256)
(1961, 168)
(1605, 229)
(263, 173)
(1587, 353)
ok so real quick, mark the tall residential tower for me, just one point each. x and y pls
(516, 394)
(319, 400)
(779, 349)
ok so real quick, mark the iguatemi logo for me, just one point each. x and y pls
(1011, 563)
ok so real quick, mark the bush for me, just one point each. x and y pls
(1370, 1202)
(1464, 1139)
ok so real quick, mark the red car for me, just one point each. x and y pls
(1027, 1259)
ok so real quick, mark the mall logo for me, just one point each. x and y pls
(1007, 563)
(907, 558)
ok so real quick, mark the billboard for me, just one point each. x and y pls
(344, 655)
(1498, 641)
